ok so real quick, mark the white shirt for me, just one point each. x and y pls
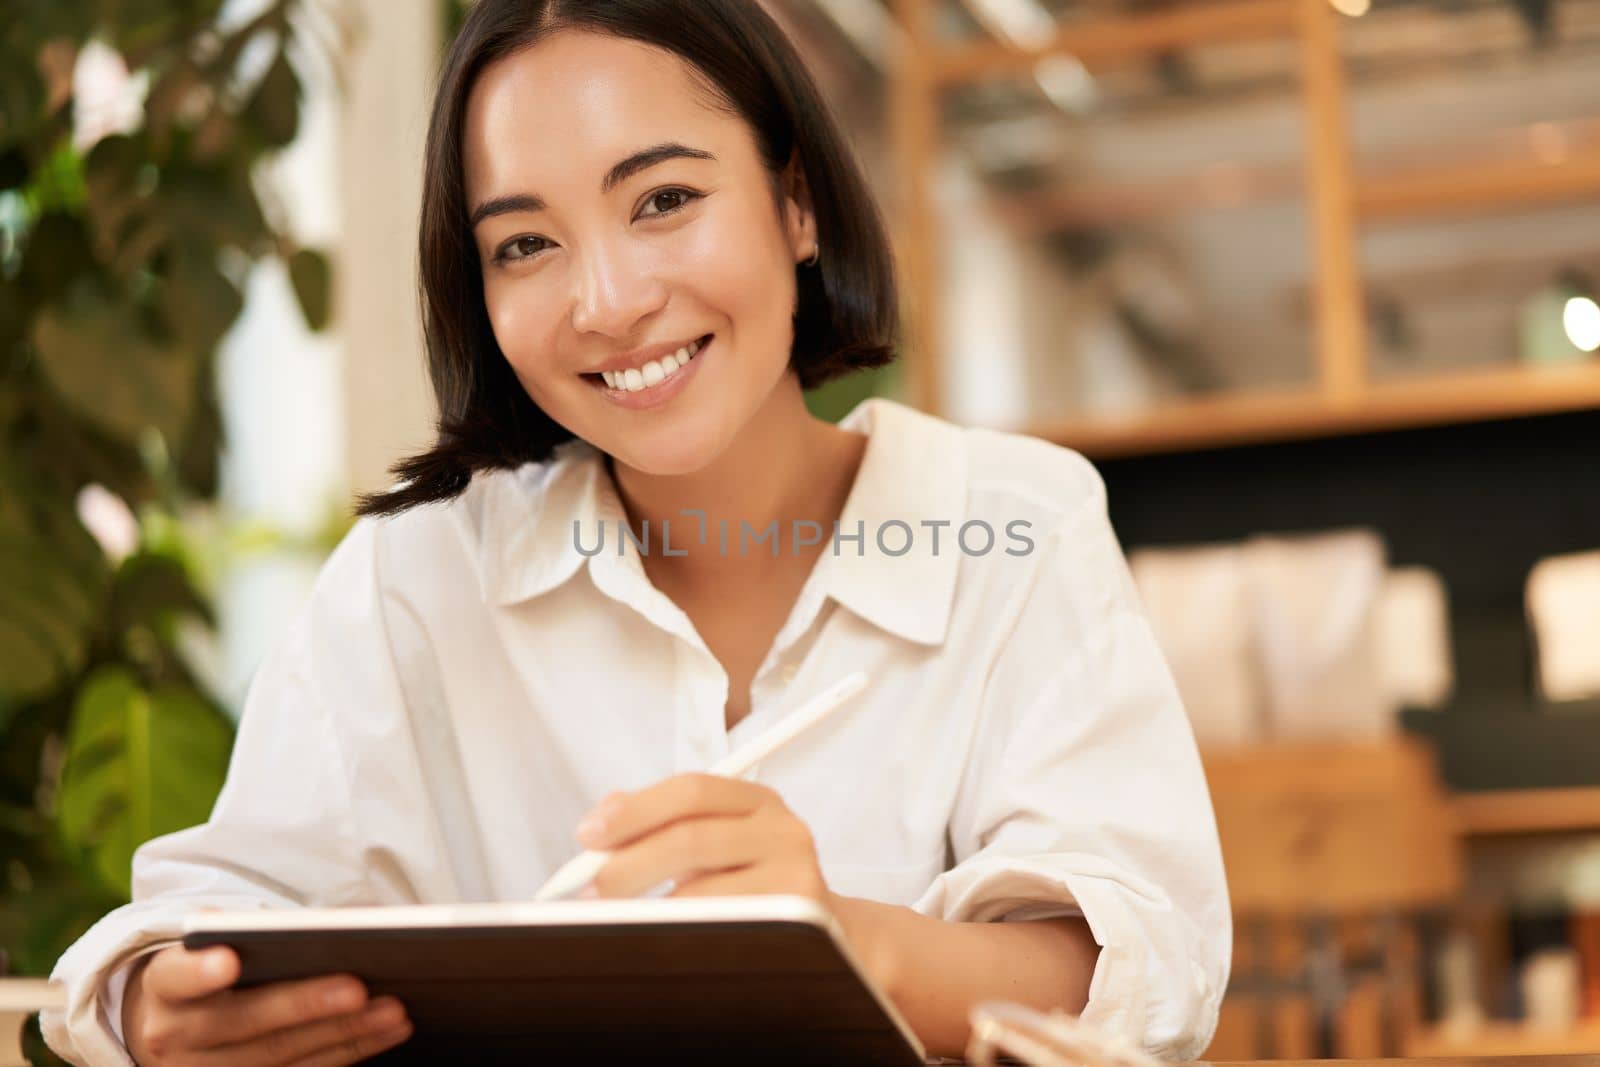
(465, 683)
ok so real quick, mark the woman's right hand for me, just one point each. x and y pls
(179, 1009)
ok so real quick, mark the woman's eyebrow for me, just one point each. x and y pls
(624, 169)
(646, 158)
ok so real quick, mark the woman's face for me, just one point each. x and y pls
(588, 266)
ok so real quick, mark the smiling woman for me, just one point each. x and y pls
(642, 240)
(544, 222)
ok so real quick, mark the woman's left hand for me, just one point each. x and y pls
(711, 836)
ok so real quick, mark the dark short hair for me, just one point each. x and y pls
(847, 316)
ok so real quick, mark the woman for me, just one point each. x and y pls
(642, 239)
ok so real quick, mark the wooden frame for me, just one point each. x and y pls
(1243, 418)
(1498, 813)
(1486, 186)
(915, 122)
(1113, 40)
(1344, 398)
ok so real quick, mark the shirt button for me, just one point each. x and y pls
(789, 672)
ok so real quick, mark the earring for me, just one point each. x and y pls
(811, 261)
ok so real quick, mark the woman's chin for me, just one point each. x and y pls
(675, 454)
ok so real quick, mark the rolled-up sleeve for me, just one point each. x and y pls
(281, 834)
(1084, 794)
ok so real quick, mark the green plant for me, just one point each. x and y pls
(121, 263)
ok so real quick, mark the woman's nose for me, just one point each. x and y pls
(614, 291)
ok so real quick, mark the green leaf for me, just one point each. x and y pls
(56, 251)
(197, 459)
(13, 168)
(52, 583)
(198, 301)
(22, 90)
(25, 731)
(61, 451)
(150, 590)
(31, 663)
(139, 764)
(100, 360)
(275, 107)
(13, 321)
(38, 925)
(58, 183)
(110, 178)
(210, 207)
(138, 26)
(310, 274)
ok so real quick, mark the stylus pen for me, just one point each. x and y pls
(581, 869)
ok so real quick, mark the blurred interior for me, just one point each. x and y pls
(1314, 284)
(1309, 281)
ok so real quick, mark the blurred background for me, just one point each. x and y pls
(1313, 282)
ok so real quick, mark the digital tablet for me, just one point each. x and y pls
(755, 980)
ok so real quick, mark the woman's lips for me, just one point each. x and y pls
(658, 394)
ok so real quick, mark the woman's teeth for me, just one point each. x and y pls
(653, 373)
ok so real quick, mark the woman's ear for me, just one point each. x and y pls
(800, 221)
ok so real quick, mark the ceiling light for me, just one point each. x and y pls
(1581, 318)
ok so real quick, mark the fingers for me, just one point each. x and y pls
(340, 1039)
(747, 881)
(682, 850)
(787, 870)
(192, 1013)
(179, 974)
(248, 1013)
(356, 1051)
(623, 817)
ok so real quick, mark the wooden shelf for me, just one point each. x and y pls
(1102, 42)
(1541, 164)
(1506, 1039)
(1489, 181)
(1238, 418)
(1487, 185)
(1528, 811)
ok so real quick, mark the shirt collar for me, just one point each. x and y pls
(527, 545)
(914, 469)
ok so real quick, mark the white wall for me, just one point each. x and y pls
(312, 417)
(390, 73)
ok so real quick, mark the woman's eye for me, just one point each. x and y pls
(520, 248)
(666, 201)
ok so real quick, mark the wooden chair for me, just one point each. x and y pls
(1322, 841)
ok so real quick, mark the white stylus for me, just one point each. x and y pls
(581, 869)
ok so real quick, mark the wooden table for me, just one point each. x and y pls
(19, 999)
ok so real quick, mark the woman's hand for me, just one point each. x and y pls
(710, 836)
(178, 1009)
(715, 836)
